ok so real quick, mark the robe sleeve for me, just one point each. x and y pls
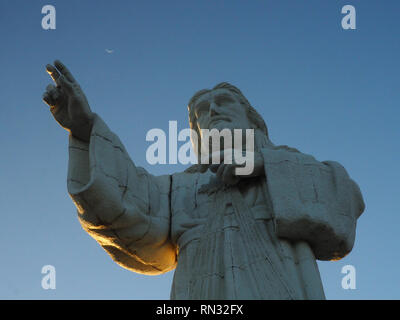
(124, 208)
(312, 201)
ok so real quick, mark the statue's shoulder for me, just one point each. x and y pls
(285, 148)
(294, 154)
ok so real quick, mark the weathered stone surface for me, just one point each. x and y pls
(247, 237)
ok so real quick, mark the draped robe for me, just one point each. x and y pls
(257, 240)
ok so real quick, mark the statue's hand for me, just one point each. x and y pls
(68, 103)
(226, 170)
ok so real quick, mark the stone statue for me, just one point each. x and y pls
(227, 236)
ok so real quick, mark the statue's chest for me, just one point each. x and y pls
(197, 196)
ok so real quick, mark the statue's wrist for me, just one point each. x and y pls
(83, 132)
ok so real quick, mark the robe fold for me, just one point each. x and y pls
(257, 240)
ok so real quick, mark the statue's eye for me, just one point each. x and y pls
(201, 108)
(220, 100)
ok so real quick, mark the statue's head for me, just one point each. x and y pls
(224, 107)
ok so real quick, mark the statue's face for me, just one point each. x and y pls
(220, 109)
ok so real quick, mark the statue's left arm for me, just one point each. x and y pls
(312, 201)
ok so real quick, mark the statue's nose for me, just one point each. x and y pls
(213, 109)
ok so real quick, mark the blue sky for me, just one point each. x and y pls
(329, 92)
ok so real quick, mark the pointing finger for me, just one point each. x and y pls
(64, 70)
(52, 72)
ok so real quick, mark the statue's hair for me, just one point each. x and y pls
(254, 117)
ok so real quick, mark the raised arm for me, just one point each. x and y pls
(123, 207)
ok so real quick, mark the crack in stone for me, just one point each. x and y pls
(78, 148)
